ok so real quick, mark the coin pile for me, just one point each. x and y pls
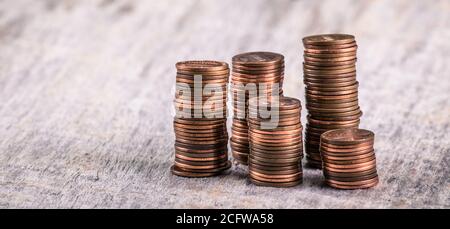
(265, 70)
(275, 151)
(201, 139)
(331, 88)
(349, 158)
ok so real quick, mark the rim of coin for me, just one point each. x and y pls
(335, 147)
(329, 55)
(347, 136)
(354, 187)
(201, 65)
(330, 64)
(257, 58)
(350, 175)
(176, 171)
(328, 46)
(276, 185)
(328, 39)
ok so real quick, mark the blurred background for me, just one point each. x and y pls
(86, 91)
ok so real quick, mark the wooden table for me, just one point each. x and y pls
(86, 91)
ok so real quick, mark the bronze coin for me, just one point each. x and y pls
(256, 161)
(328, 81)
(201, 66)
(358, 169)
(331, 50)
(276, 154)
(201, 163)
(337, 113)
(277, 160)
(258, 58)
(275, 176)
(201, 159)
(200, 151)
(275, 172)
(347, 148)
(275, 180)
(330, 93)
(309, 59)
(347, 136)
(331, 55)
(329, 64)
(346, 152)
(281, 65)
(276, 185)
(347, 157)
(328, 89)
(348, 162)
(352, 179)
(176, 171)
(353, 183)
(328, 39)
(329, 164)
(331, 105)
(350, 175)
(327, 85)
(274, 168)
(348, 187)
(277, 148)
(225, 166)
(210, 74)
(199, 167)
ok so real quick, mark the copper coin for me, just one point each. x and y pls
(201, 66)
(276, 185)
(337, 63)
(338, 47)
(358, 169)
(348, 162)
(258, 58)
(275, 172)
(200, 159)
(328, 39)
(198, 151)
(225, 166)
(331, 55)
(211, 74)
(351, 157)
(352, 179)
(350, 175)
(275, 176)
(259, 68)
(199, 167)
(330, 49)
(347, 166)
(370, 185)
(309, 59)
(353, 183)
(274, 168)
(347, 136)
(176, 171)
(364, 145)
(275, 180)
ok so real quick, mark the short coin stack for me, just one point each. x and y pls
(331, 88)
(349, 158)
(265, 70)
(276, 153)
(200, 122)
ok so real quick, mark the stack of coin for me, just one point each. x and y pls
(331, 88)
(349, 158)
(201, 139)
(275, 151)
(265, 70)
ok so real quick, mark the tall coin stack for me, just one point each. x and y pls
(276, 153)
(201, 139)
(265, 70)
(349, 158)
(331, 88)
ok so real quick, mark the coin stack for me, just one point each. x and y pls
(265, 70)
(331, 88)
(201, 139)
(276, 151)
(349, 158)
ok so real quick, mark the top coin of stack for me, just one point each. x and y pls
(265, 70)
(200, 122)
(331, 88)
(276, 149)
(349, 158)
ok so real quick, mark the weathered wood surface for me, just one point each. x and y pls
(86, 90)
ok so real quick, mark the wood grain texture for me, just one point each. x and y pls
(86, 90)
